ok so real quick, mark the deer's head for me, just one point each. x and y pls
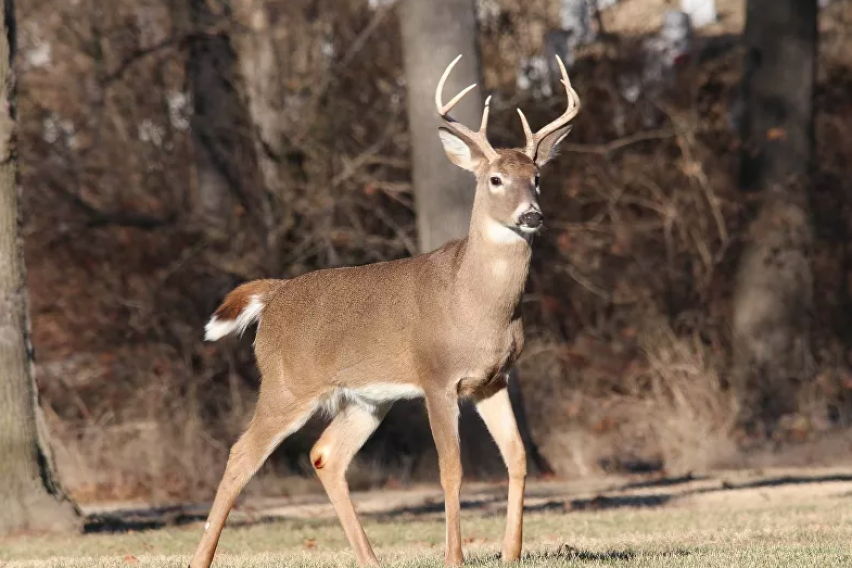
(507, 179)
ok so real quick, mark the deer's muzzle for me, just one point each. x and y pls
(531, 220)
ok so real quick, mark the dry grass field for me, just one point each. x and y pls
(759, 519)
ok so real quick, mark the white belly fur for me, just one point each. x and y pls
(369, 398)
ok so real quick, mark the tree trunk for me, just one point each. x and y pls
(259, 67)
(214, 124)
(774, 287)
(29, 491)
(433, 34)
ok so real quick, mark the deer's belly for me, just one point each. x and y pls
(368, 397)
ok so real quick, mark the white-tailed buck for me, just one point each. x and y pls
(441, 326)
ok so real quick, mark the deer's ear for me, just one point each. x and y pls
(461, 152)
(547, 147)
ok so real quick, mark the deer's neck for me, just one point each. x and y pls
(493, 270)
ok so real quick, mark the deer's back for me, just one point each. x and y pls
(357, 325)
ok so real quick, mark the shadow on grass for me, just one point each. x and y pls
(661, 482)
(568, 552)
(160, 517)
(785, 480)
(175, 516)
(603, 502)
(143, 519)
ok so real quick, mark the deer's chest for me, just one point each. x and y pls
(489, 358)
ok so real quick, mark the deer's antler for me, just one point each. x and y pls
(533, 140)
(477, 137)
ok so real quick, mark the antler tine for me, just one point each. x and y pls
(477, 137)
(449, 106)
(528, 134)
(574, 106)
(484, 124)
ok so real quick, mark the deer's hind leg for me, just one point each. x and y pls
(267, 430)
(331, 456)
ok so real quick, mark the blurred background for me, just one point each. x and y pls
(688, 303)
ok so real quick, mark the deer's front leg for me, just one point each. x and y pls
(496, 412)
(443, 409)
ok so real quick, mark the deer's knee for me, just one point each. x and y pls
(319, 459)
(324, 461)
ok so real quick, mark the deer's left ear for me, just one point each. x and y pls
(547, 147)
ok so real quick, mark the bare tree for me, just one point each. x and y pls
(209, 70)
(29, 491)
(254, 42)
(774, 288)
(433, 34)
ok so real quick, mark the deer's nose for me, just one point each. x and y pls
(532, 219)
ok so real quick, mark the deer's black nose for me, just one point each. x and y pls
(532, 219)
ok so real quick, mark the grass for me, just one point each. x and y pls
(703, 523)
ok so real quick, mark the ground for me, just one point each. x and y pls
(755, 518)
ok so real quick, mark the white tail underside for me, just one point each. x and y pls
(218, 328)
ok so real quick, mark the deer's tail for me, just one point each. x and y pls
(242, 307)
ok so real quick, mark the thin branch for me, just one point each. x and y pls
(130, 219)
(178, 41)
(138, 55)
(584, 282)
(661, 134)
(98, 218)
(351, 167)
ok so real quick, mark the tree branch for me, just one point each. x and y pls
(99, 218)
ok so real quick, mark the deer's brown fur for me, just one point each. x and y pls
(441, 326)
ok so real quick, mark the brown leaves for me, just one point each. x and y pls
(775, 134)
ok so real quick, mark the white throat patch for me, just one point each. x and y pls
(499, 233)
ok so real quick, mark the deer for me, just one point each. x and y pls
(440, 326)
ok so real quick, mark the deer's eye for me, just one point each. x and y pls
(537, 187)
(496, 181)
